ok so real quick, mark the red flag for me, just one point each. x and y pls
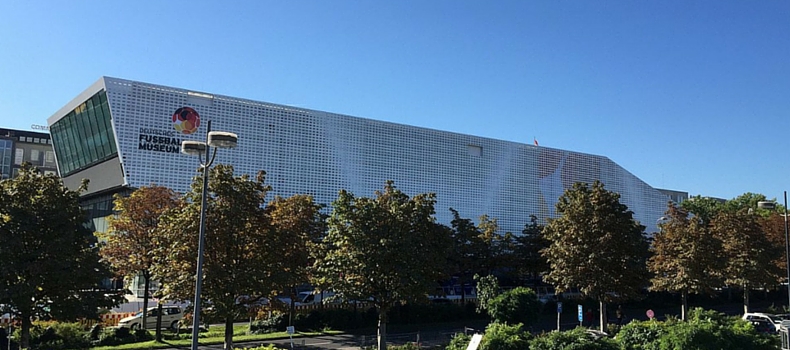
(535, 140)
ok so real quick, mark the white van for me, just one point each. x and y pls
(171, 315)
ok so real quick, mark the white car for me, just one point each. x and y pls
(171, 315)
(758, 316)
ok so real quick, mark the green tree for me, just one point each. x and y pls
(388, 248)
(487, 290)
(748, 253)
(299, 225)
(528, 263)
(518, 305)
(685, 257)
(702, 207)
(242, 254)
(129, 246)
(51, 266)
(477, 249)
(596, 246)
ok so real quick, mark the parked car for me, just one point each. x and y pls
(776, 322)
(171, 315)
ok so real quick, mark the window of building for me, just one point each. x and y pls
(20, 156)
(84, 137)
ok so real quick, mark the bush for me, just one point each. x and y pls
(276, 323)
(459, 341)
(709, 330)
(577, 339)
(518, 305)
(501, 336)
(56, 335)
(122, 335)
(641, 335)
(262, 347)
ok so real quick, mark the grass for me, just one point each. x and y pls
(215, 335)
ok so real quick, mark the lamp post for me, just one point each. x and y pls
(216, 139)
(772, 205)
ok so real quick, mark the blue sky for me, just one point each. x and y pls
(686, 95)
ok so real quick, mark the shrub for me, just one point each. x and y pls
(577, 339)
(641, 335)
(122, 335)
(57, 335)
(276, 323)
(459, 341)
(501, 336)
(518, 305)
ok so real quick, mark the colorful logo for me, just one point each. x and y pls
(186, 120)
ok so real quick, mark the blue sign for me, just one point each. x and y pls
(559, 307)
(581, 317)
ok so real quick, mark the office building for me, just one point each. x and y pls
(19, 146)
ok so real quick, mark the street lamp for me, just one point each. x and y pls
(772, 205)
(216, 139)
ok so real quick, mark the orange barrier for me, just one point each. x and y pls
(112, 319)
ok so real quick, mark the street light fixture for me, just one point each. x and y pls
(772, 205)
(216, 139)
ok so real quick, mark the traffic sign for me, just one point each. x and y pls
(581, 316)
(559, 307)
(651, 314)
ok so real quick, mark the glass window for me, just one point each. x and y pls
(20, 156)
(34, 157)
(49, 157)
(84, 137)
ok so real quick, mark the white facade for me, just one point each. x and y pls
(319, 153)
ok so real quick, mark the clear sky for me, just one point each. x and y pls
(686, 95)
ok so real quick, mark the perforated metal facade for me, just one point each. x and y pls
(319, 153)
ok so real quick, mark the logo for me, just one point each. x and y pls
(186, 120)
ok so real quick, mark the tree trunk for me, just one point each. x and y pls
(24, 342)
(145, 299)
(746, 297)
(604, 317)
(292, 306)
(382, 336)
(158, 322)
(229, 333)
(684, 307)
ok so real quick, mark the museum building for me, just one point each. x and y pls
(122, 134)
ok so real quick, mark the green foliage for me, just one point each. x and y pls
(576, 339)
(704, 208)
(121, 335)
(487, 290)
(709, 330)
(56, 336)
(641, 335)
(499, 336)
(388, 248)
(596, 246)
(51, 263)
(460, 341)
(262, 347)
(519, 305)
(243, 262)
(527, 262)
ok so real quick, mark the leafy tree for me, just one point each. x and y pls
(299, 225)
(702, 207)
(748, 253)
(51, 265)
(774, 228)
(487, 290)
(528, 262)
(477, 249)
(575, 339)
(129, 247)
(518, 305)
(242, 254)
(388, 248)
(745, 201)
(500, 336)
(685, 257)
(596, 246)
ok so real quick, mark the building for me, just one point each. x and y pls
(124, 134)
(19, 146)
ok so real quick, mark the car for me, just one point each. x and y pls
(775, 321)
(763, 326)
(171, 316)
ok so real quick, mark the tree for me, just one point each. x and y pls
(477, 249)
(702, 207)
(528, 262)
(298, 225)
(242, 256)
(596, 246)
(748, 253)
(518, 305)
(685, 257)
(130, 244)
(51, 264)
(388, 248)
